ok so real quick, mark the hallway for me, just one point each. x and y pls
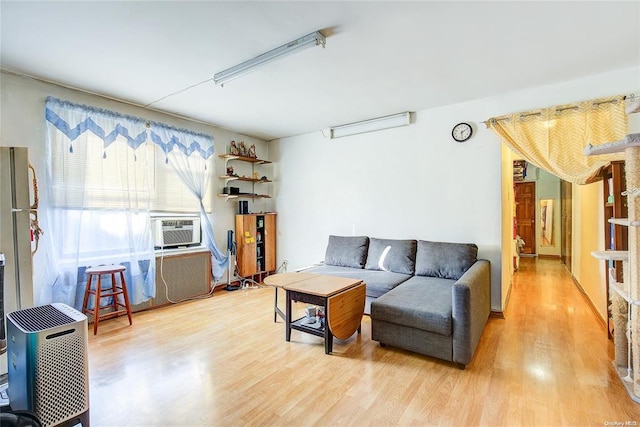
(561, 347)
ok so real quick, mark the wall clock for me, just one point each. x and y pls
(462, 132)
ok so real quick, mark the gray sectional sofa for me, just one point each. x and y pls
(428, 297)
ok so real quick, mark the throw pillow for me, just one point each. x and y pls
(347, 251)
(398, 256)
(445, 260)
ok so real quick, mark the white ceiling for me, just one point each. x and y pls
(381, 58)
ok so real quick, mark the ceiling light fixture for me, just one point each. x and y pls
(387, 122)
(234, 72)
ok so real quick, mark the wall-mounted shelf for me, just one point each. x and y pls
(228, 157)
(227, 178)
(244, 196)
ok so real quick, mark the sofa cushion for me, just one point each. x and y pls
(445, 260)
(378, 282)
(347, 251)
(398, 256)
(421, 302)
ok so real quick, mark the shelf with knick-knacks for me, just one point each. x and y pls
(231, 175)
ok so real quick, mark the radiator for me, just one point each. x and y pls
(186, 274)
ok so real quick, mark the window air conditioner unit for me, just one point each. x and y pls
(175, 231)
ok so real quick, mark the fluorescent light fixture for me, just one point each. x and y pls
(234, 72)
(387, 122)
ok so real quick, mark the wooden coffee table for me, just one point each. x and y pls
(342, 298)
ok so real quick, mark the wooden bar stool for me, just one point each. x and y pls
(115, 290)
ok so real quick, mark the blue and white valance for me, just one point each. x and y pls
(74, 120)
(188, 142)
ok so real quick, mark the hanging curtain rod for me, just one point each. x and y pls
(630, 97)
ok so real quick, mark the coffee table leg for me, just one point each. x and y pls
(328, 336)
(275, 305)
(328, 340)
(287, 319)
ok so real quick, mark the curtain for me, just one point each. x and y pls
(555, 138)
(190, 162)
(103, 174)
(98, 171)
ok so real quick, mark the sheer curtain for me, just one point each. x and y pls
(189, 155)
(554, 138)
(107, 172)
(99, 174)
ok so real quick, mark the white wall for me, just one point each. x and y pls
(508, 212)
(22, 124)
(588, 236)
(411, 182)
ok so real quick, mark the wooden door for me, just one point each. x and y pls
(525, 197)
(566, 222)
(246, 244)
(270, 242)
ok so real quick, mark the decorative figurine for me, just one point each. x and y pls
(255, 175)
(243, 149)
(252, 151)
(234, 148)
(229, 170)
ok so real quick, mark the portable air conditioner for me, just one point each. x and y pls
(176, 231)
(48, 364)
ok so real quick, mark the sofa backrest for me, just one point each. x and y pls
(347, 251)
(398, 256)
(422, 257)
(445, 260)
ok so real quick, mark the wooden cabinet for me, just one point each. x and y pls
(256, 244)
(615, 235)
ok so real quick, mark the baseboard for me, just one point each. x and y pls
(545, 256)
(590, 303)
(501, 314)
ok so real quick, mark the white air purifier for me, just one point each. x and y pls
(48, 364)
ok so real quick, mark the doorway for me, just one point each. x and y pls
(525, 199)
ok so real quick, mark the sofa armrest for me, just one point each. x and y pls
(471, 306)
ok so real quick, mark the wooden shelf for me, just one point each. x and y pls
(254, 161)
(243, 158)
(244, 196)
(242, 178)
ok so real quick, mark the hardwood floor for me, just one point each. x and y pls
(222, 361)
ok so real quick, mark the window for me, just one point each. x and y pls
(87, 175)
(108, 173)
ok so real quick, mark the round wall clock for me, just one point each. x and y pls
(462, 132)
